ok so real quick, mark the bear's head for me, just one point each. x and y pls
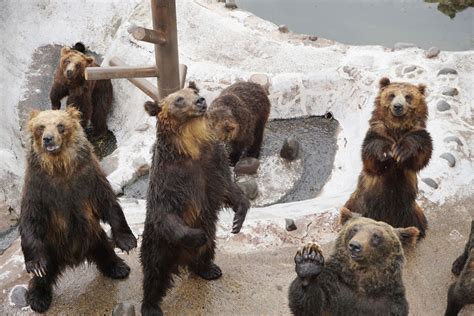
(223, 123)
(401, 101)
(366, 242)
(73, 63)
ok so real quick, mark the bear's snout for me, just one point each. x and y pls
(49, 143)
(201, 104)
(355, 249)
(69, 73)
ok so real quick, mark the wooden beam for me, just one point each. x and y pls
(100, 73)
(146, 86)
(147, 35)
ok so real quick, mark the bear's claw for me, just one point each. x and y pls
(125, 241)
(309, 261)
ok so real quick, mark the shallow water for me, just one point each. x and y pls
(375, 22)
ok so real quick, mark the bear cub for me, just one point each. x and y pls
(65, 197)
(363, 275)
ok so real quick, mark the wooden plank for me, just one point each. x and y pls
(100, 73)
(147, 35)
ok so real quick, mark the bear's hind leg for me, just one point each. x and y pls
(40, 290)
(111, 265)
(204, 265)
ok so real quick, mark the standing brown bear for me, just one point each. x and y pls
(362, 277)
(238, 117)
(93, 98)
(65, 196)
(396, 146)
(190, 182)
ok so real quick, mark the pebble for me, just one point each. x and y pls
(449, 158)
(124, 309)
(409, 69)
(443, 106)
(230, 4)
(290, 149)
(432, 52)
(290, 224)
(18, 296)
(142, 127)
(262, 80)
(283, 28)
(450, 92)
(430, 182)
(401, 45)
(249, 187)
(313, 38)
(453, 139)
(247, 165)
(447, 70)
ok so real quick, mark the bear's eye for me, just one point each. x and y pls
(391, 96)
(179, 101)
(354, 229)
(376, 239)
(39, 130)
(60, 128)
(409, 97)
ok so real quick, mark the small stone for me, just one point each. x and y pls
(449, 158)
(447, 71)
(409, 69)
(141, 166)
(401, 45)
(142, 127)
(249, 187)
(443, 106)
(432, 52)
(124, 309)
(230, 4)
(451, 92)
(283, 28)
(290, 224)
(453, 139)
(279, 288)
(430, 182)
(262, 80)
(313, 38)
(18, 296)
(247, 165)
(109, 164)
(290, 149)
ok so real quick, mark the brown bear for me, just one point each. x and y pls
(190, 182)
(363, 275)
(93, 98)
(461, 292)
(238, 117)
(396, 146)
(65, 197)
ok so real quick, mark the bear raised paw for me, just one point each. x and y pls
(309, 262)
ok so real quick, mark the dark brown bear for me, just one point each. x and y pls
(461, 292)
(93, 98)
(65, 196)
(190, 182)
(238, 117)
(396, 146)
(362, 277)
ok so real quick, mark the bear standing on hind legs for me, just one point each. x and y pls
(396, 146)
(65, 196)
(190, 182)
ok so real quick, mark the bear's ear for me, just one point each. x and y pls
(152, 108)
(346, 214)
(90, 60)
(192, 85)
(33, 114)
(73, 112)
(422, 88)
(408, 235)
(384, 82)
(65, 50)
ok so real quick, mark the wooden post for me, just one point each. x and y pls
(146, 35)
(100, 73)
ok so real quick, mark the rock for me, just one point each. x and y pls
(18, 296)
(449, 158)
(401, 45)
(450, 92)
(453, 139)
(409, 69)
(432, 52)
(230, 4)
(247, 165)
(249, 187)
(290, 149)
(430, 182)
(142, 127)
(290, 224)
(141, 166)
(109, 164)
(262, 80)
(447, 71)
(443, 106)
(283, 28)
(124, 309)
(313, 38)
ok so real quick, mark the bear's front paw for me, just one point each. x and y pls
(125, 241)
(240, 214)
(37, 266)
(309, 262)
(194, 238)
(402, 152)
(458, 264)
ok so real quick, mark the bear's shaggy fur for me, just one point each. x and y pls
(461, 292)
(65, 196)
(238, 117)
(93, 98)
(190, 182)
(396, 146)
(363, 275)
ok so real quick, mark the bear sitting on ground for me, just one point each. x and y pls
(238, 117)
(65, 196)
(93, 98)
(461, 292)
(190, 182)
(396, 146)
(363, 275)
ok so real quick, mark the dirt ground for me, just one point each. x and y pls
(253, 283)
